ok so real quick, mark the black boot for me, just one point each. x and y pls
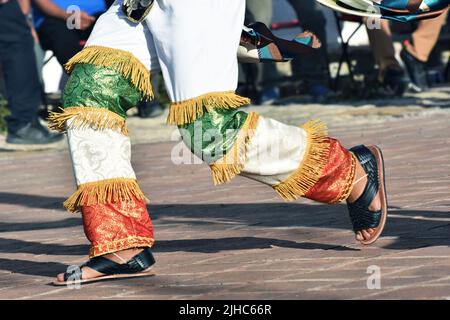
(417, 71)
(151, 109)
(32, 133)
(395, 80)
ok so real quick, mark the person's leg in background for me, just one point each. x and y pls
(21, 78)
(416, 51)
(390, 72)
(414, 54)
(55, 36)
(261, 11)
(109, 76)
(383, 47)
(153, 108)
(313, 69)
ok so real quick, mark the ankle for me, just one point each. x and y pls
(358, 184)
(123, 256)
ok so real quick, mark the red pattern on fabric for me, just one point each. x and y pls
(117, 226)
(337, 178)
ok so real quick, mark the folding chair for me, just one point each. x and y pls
(345, 56)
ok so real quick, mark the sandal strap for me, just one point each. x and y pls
(138, 263)
(363, 218)
(370, 166)
(142, 261)
(360, 215)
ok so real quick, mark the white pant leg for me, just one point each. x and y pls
(196, 43)
(113, 30)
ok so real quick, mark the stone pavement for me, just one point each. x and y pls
(240, 241)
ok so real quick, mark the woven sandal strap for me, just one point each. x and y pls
(369, 164)
(360, 215)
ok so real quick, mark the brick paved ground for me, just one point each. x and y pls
(240, 240)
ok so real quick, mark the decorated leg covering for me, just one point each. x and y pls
(116, 226)
(108, 77)
(295, 161)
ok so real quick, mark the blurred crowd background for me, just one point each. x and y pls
(354, 62)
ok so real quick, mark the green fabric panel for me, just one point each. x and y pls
(99, 87)
(211, 136)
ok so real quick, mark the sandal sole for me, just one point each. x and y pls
(383, 197)
(145, 273)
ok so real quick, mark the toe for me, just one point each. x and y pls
(365, 234)
(60, 277)
(359, 236)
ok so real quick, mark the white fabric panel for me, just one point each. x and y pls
(99, 155)
(196, 43)
(193, 42)
(275, 151)
(113, 30)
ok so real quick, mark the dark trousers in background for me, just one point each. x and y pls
(261, 11)
(65, 43)
(19, 67)
(314, 67)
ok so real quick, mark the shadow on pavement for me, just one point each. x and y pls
(37, 248)
(41, 225)
(410, 229)
(44, 269)
(31, 201)
(239, 243)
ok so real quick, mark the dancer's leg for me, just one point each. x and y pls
(108, 77)
(425, 37)
(201, 78)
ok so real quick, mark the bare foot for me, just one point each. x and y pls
(119, 257)
(358, 188)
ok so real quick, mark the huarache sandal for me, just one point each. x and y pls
(138, 266)
(371, 159)
(259, 44)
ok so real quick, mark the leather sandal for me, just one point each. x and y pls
(138, 266)
(371, 159)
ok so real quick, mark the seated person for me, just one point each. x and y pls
(50, 20)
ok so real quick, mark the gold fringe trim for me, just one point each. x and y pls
(312, 166)
(86, 117)
(104, 191)
(226, 168)
(118, 245)
(188, 111)
(121, 61)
